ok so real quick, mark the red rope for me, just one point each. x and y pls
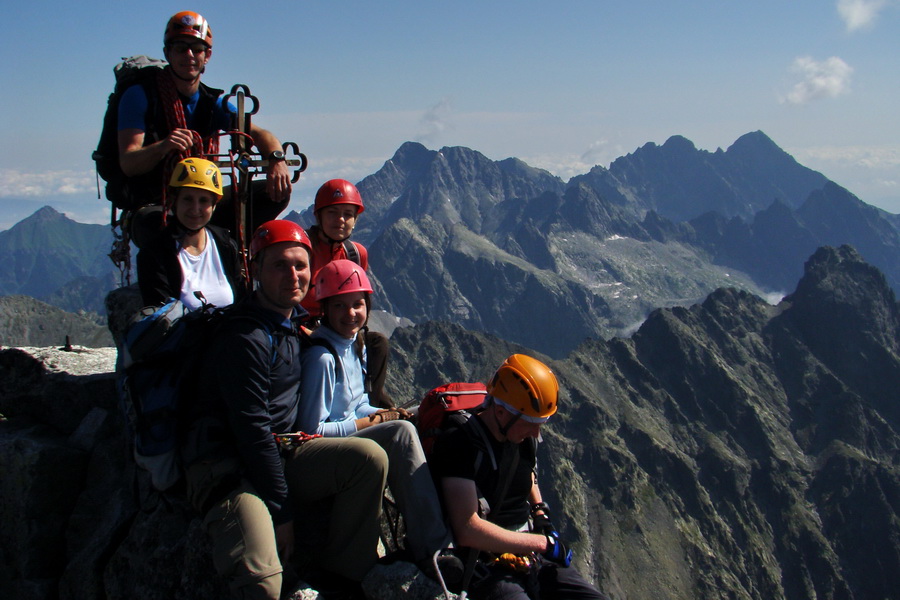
(174, 112)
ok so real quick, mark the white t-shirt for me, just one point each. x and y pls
(204, 273)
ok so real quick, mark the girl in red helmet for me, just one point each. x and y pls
(333, 403)
(337, 208)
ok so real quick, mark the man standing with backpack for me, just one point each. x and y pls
(260, 483)
(485, 471)
(170, 115)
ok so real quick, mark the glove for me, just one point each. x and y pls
(557, 551)
(384, 416)
(540, 523)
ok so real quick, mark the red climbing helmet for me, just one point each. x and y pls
(190, 24)
(274, 232)
(338, 191)
(340, 277)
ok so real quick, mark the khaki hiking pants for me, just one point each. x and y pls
(346, 476)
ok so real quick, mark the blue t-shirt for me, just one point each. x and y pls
(133, 110)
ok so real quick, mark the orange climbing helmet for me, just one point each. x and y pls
(340, 277)
(190, 24)
(338, 191)
(277, 231)
(526, 387)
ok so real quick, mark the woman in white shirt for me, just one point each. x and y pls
(190, 259)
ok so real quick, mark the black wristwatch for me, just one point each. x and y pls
(276, 155)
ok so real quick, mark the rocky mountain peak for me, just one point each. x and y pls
(45, 214)
(840, 296)
(678, 144)
(411, 155)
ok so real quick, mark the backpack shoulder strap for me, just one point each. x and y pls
(229, 314)
(479, 437)
(351, 251)
(309, 341)
(504, 468)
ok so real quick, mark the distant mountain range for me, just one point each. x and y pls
(41, 325)
(505, 248)
(514, 251)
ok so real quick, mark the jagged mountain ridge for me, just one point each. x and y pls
(599, 239)
(510, 249)
(772, 246)
(680, 182)
(729, 449)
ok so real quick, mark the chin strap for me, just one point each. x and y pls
(181, 230)
(318, 230)
(505, 429)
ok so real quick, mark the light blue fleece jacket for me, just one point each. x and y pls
(329, 404)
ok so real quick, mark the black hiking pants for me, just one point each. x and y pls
(551, 582)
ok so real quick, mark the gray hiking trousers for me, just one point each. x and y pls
(412, 486)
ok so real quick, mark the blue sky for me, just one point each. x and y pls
(563, 86)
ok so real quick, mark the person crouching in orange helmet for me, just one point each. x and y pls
(491, 461)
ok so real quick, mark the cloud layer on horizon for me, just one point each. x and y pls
(19, 184)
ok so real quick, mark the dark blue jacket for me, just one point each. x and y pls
(250, 385)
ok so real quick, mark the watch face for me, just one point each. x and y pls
(276, 155)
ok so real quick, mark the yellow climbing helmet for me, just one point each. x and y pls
(526, 387)
(197, 173)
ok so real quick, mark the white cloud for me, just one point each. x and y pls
(434, 122)
(773, 298)
(872, 157)
(859, 14)
(818, 79)
(19, 184)
(597, 153)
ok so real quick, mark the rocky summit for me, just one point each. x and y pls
(730, 449)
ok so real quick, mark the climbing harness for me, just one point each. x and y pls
(288, 441)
